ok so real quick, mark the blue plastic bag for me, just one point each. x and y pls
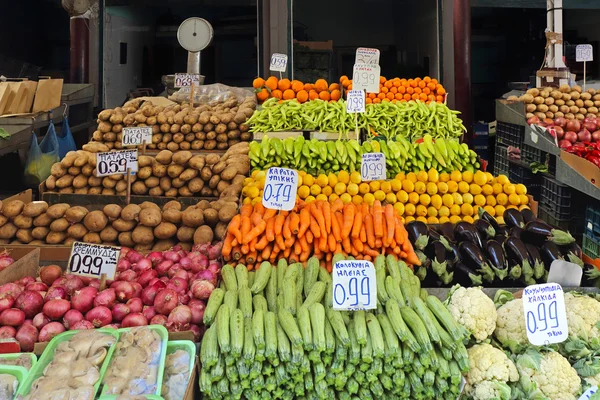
(66, 143)
(41, 157)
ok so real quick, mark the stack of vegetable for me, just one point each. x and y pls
(564, 102)
(321, 229)
(274, 333)
(401, 90)
(284, 89)
(516, 254)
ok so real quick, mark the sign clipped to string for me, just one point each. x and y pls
(545, 315)
(93, 260)
(137, 135)
(116, 162)
(373, 167)
(278, 62)
(281, 186)
(354, 285)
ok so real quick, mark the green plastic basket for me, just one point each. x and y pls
(147, 397)
(186, 345)
(48, 355)
(12, 356)
(19, 372)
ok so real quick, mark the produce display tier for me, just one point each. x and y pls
(575, 225)
(521, 173)
(510, 134)
(560, 199)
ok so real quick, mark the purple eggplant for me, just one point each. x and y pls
(433, 234)
(436, 252)
(535, 259)
(447, 229)
(472, 257)
(515, 231)
(418, 234)
(495, 254)
(516, 250)
(486, 216)
(591, 276)
(572, 253)
(513, 217)
(538, 232)
(466, 276)
(550, 252)
(528, 215)
(486, 230)
(464, 231)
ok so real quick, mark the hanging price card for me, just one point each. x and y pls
(134, 136)
(366, 77)
(588, 393)
(373, 167)
(186, 80)
(281, 186)
(93, 260)
(584, 53)
(278, 62)
(116, 162)
(354, 285)
(545, 315)
(355, 103)
(365, 55)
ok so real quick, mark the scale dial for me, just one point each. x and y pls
(195, 34)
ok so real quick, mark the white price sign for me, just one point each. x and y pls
(373, 167)
(588, 393)
(354, 285)
(116, 162)
(134, 136)
(278, 62)
(93, 260)
(186, 80)
(365, 55)
(366, 77)
(281, 186)
(545, 315)
(355, 102)
(584, 52)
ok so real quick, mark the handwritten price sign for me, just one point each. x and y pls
(93, 260)
(278, 62)
(584, 53)
(588, 393)
(186, 80)
(545, 315)
(281, 186)
(365, 55)
(135, 136)
(373, 167)
(354, 285)
(366, 77)
(356, 101)
(116, 162)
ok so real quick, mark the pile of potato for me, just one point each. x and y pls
(217, 125)
(566, 102)
(168, 174)
(143, 227)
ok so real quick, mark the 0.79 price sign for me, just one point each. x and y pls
(134, 136)
(354, 285)
(281, 186)
(93, 260)
(545, 315)
(116, 162)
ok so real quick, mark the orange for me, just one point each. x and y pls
(324, 95)
(402, 89)
(439, 99)
(407, 97)
(312, 95)
(271, 83)
(321, 85)
(343, 78)
(388, 84)
(289, 94)
(440, 90)
(258, 83)
(422, 84)
(368, 100)
(277, 94)
(427, 79)
(390, 96)
(434, 81)
(302, 96)
(383, 90)
(418, 90)
(308, 87)
(394, 89)
(381, 95)
(410, 90)
(349, 86)
(335, 94)
(262, 95)
(284, 84)
(297, 86)
(371, 95)
(397, 82)
(376, 100)
(382, 79)
(333, 87)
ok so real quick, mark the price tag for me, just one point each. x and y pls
(565, 273)
(534, 137)
(134, 136)
(584, 53)
(588, 393)
(545, 315)
(278, 62)
(366, 77)
(116, 162)
(373, 167)
(356, 101)
(93, 260)
(186, 80)
(281, 186)
(365, 55)
(354, 285)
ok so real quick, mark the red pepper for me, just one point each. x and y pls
(595, 160)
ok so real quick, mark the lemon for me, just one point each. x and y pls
(333, 180)
(502, 179)
(399, 208)
(432, 211)
(444, 211)
(436, 201)
(448, 200)
(490, 200)
(421, 210)
(322, 180)
(368, 198)
(309, 199)
(374, 186)
(364, 188)
(490, 210)
(455, 210)
(420, 187)
(425, 199)
(400, 176)
(487, 189)
(520, 188)
(468, 218)
(474, 189)
(248, 181)
(303, 191)
(409, 209)
(443, 220)
(408, 186)
(514, 199)
(408, 219)
(467, 198)
(343, 176)
(500, 220)
(523, 199)
(523, 207)
(247, 200)
(509, 188)
(396, 185)
(479, 199)
(463, 187)
(327, 190)
(386, 187)
(497, 188)
(413, 198)
(340, 188)
(301, 173)
(444, 177)
(254, 173)
(433, 175)
(308, 180)
(253, 192)
(357, 200)
(467, 176)
(333, 197)
(442, 187)
(454, 219)
(433, 220)
(458, 199)
(502, 199)
(354, 177)
(452, 186)
(456, 176)
(432, 188)
(466, 209)
(422, 176)
(499, 210)
(411, 176)
(391, 198)
(512, 206)
(379, 195)
(256, 200)
(321, 197)
(479, 178)
(422, 219)
(352, 189)
(402, 196)
(299, 181)
(475, 212)
(489, 178)
(346, 198)
(315, 190)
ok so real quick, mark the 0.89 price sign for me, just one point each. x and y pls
(93, 260)
(355, 102)
(373, 167)
(545, 315)
(134, 136)
(281, 186)
(116, 162)
(366, 77)
(354, 285)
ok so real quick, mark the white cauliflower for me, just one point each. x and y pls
(510, 325)
(548, 374)
(474, 310)
(487, 363)
(583, 313)
(487, 390)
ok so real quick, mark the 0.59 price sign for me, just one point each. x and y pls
(545, 315)
(93, 260)
(116, 162)
(278, 62)
(134, 136)
(281, 186)
(354, 285)
(373, 167)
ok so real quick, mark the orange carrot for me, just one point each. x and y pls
(289, 242)
(255, 218)
(227, 246)
(331, 242)
(252, 244)
(266, 253)
(234, 227)
(287, 233)
(245, 249)
(279, 221)
(411, 258)
(377, 219)
(348, 220)
(357, 244)
(357, 225)
(363, 234)
(304, 221)
(280, 241)
(262, 243)
(398, 236)
(337, 205)
(287, 252)
(378, 243)
(254, 232)
(294, 223)
(384, 239)
(249, 267)
(317, 213)
(314, 228)
(370, 230)
(304, 256)
(390, 217)
(370, 252)
(270, 230)
(326, 208)
(335, 228)
(251, 257)
(259, 208)
(245, 228)
(269, 213)
(323, 246)
(297, 247)
(346, 244)
(236, 252)
(303, 244)
(309, 236)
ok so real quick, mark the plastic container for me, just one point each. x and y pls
(18, 372)
(591, 246)
(148, 397)
(592, 216)
(530, 154)
(501, 160)
(510, 134)
(520, 173)
(12, 356)
(48, 355)
(575, 225)
(563, 201)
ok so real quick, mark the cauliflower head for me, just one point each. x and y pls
(510, 325)
(487, 363)
(548, 374)
(474, 310)
(490, 390)
(583, 313)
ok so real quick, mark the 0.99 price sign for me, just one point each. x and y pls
(545, 315)
(373, 167)
(354, 285)
(135, 136)
(355, 102)
(281, 186)
(93, 260)
(116, 162)
(278, 62)
(366, 77)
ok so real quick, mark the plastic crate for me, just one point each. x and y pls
(501, 160)
(522, 174)
(561, 199)
(530, 154)
(510, 134)
(575, 225)
(591, 246)
(592, 217)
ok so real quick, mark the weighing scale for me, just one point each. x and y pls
(194, 35)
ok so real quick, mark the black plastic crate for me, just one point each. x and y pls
(575, 225)
(510, 134)
(592, 219)
(562, 200)
(520, 173)
(501, 160)
(530, 154)
(591, 246)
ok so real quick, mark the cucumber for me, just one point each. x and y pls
(241, 274)
(262, 277)
(228, 275)
(223, 328)
(258, 328)
(245, 301)
(214, 302)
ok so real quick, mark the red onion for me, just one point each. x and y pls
(214, 267)
(155, 257)
(120, 311)
(134, 257)
(179, 285)
(560, 132)
(146, 276)
(149, 312)
(50, 273)
(564, 144)
(5, 261)
(153, 281)
(149, 293)
(55, 309)
(590, 126)
(560, 121)
(60, 281)
(584, 135)
(135, 305)
(12, 317)
(571, 136)
(173, 270)
(596, 136)
(71, 318)
(201, 248)
(573, 125)
(201, 289)
(11, 288)
(197, 331)
(197, 307)
(123, 265)
(27, 336)
(172, 255)
(123, 290)
(26, 280)
(134, 319)
(113, 326)
(56, 292)
(206, 275)
(137, 289)
(30, 303)
(37, 286)
(28, 322)
(165, 301)
(95, 283)
(82, 325)
(158, 320)
(6, 301)
(199, 263)
(83, 300)
(165, 279)
(129, 275)
(99, 316)
(105, 298)
(7, 332)
(186, 263)
(40, 320)
(214, 251)
(50, 330)
(183, 274)
(143, 265)
(183, 300)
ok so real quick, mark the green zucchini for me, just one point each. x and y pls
(427, 318)
(223, 328)
(236, 329)
(245, 301)
(270, 336)
(271, 291)
(417, 328)
(290, 327)
(228, 276)
(214, 302)
(311, 274)
(289, 292)
(259, 302)
(283, 345)
(316, 294)
(231, 299)
(443, 315)
(303, 316)
(391, 264)
(258, 328)
(339, 327)
(376, 336)
(400, 327)
(360, 327)
(282, 267)
(263, 274)
(391, 340)
(241, 274)
(317, 323)
(209, 353)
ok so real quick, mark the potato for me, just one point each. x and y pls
(159, 170)
(148, 204)
(226, 213)
(57, 170)
(77, 231)
(188, 174)
(12, 208)
(42, 220)
(56, 237)
(538, 100)
(144, 172)
(35, 208)
(192, 217)
(59, 225)
(156, 192)
(211, 216)
(142, 235)
(95, 221)
(23, 222)
(65, 181)
(122, 225)
(51, 183)
(165, 230)
(40, 232)
(173, 204)
(92, 237)
(174, 170)
(150, 217)
(139, 188)
(171, 192)
(76, 214)
(164, 157)
(151, 182)
(130, 212)
(184, 234)
(105, 115)
(109, 234)
(24, 236)
(203, 234)
(220, 231)
(197, 162)
(214, 181)
(95, 147)
(212, 159)
(125, 239)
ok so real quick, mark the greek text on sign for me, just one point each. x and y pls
(278, 62)
(366, 77)
(373, 167)
(355, 103)
(186, 80)
(354, 285)
(281, 186)
(134, 136)
(545, 315)
(584, 53)
(365, 55)
(93, 260)
(588, 393)
(116, 162)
